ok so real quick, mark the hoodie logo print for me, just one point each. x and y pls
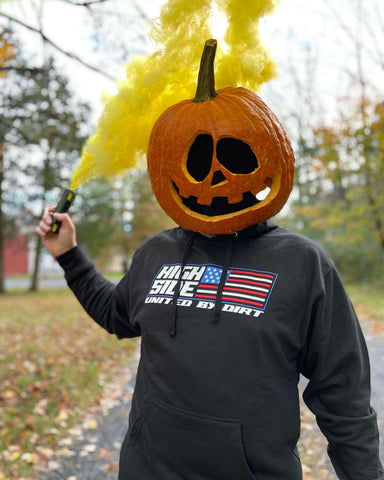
(243, 287)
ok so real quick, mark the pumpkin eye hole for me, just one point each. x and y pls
(236, 156)
(199, 159)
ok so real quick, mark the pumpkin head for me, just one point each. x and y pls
(210, 157)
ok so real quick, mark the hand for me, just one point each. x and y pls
(59, 243)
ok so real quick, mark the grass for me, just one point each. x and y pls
(368, 300)
(51, 356)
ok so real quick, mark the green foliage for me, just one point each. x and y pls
(343, 207)
(98, 223)
(113, 217)
(147, 216)
(43, 128)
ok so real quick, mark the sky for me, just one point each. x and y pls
(309, 43)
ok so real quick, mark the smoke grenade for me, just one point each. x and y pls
(65, 202)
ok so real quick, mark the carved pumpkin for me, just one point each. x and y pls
(210, 157)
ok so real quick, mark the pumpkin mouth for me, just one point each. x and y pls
(219, 205)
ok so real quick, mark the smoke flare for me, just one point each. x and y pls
(156, 81)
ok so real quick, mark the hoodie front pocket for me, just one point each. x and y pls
(134, 431)
(180, 444)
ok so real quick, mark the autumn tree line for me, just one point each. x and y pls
(338, 198)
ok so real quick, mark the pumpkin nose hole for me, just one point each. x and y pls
(236, 156)
(218, 177)
(199, 159)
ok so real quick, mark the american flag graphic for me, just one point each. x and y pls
(249, 288)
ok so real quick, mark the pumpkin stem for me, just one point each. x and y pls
(206, 80)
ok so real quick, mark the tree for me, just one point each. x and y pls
(7, 53)
(339, 177)
(98, 224)
(113, 217)
(43, 129)
(112, 26)
(346, 207)
(147, 217)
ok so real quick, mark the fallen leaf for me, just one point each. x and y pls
(41, 407)
(45, 452)
(52, 465)
(9, 394)
(14, 456)
(104, 453)
(30, 458)
(64, 452)
(110, 467)
(62, 416)
(92, 424)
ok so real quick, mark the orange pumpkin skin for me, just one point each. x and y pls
(236, 113)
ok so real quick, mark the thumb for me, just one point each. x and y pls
(61, 217)
(64, 219)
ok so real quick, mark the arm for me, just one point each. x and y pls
(336, 362)
(105, 302)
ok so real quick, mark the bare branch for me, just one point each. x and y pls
(22, 69)
(85, 4)
(141, 12)
(351, 35)
(54, 45)
(375, 40)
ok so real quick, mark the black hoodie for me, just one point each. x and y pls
(216, 394)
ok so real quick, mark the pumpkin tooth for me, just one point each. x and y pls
(184, 192)
(204, 200)
(235, 197)
(255, 190)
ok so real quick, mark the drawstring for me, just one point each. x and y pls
(172, 330)
(217, 309)
(223, 278)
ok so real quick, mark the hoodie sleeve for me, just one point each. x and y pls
(104, 301)
(335, 360)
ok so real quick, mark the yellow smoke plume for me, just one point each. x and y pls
(159, 80)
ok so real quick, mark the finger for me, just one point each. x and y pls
(44, 227)
(51, 208)
(47, 219)
(64, 219)
(40, 232)
(61, 217)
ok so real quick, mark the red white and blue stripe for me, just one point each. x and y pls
(250, 288)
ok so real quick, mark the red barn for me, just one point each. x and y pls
(15, 255)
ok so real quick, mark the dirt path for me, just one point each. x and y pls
(92, 453)
(91, 450)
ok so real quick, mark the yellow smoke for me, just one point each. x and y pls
(168, 76)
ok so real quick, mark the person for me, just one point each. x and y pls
(230, 307)
(217, 398)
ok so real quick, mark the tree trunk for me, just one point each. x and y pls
(36, 265)
(35, 276)
(2, 287)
